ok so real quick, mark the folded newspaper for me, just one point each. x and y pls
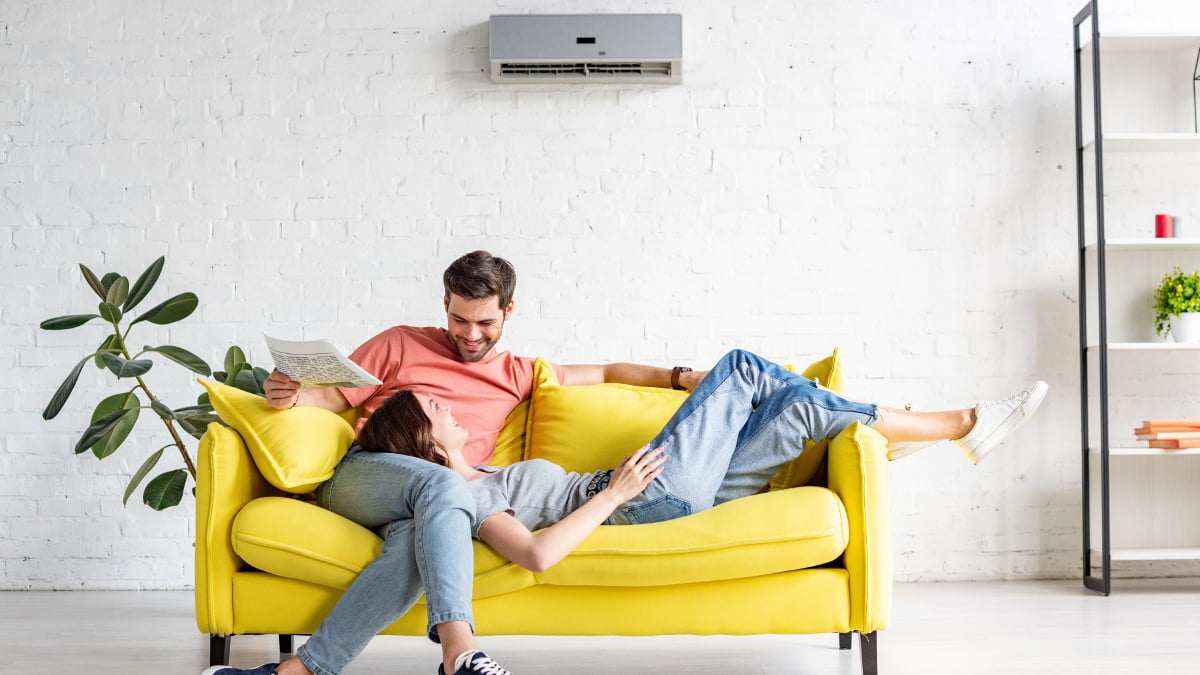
(317, 363)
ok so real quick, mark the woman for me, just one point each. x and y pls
(747, 418)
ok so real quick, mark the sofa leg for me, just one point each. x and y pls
(844, 640)
(285, 644)
(218, 649)
(868, 643)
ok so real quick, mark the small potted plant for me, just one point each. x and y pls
(1177, 306)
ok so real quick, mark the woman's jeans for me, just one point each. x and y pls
(746, 419)
(423, 512)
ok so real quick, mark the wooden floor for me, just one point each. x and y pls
(1017, 627)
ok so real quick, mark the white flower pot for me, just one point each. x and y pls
(1185, 327)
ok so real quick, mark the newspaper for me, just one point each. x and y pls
(317, 363)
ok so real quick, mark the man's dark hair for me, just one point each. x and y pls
(479, 275)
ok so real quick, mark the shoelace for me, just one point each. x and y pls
(486, 666)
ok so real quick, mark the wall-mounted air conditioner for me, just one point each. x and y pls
(642, 48)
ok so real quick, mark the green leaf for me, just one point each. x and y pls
(68, 321)
(144, 283)
(171, 310)
(141, 473)
(232, 375)
(246, 381)
(204, 399)
(162, 409)
(118, 291)
(64, 390)
(193, 410)
(106, 282)
(234, 357)
(90, 277)
(196, 425)
(110, 312)
(165, 490)
(98, 429)
(112, 343)
(122, 367)
(183, 357)
(114, 438)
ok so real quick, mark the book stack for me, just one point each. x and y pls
(1170, 434)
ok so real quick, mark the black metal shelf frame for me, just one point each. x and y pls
(1102, 583)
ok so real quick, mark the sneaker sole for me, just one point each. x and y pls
(1010, 424)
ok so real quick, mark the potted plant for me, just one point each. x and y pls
(116, 415)
(1177, 306)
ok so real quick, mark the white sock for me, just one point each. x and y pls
(463, 658)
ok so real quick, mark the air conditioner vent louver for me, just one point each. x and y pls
(536, 70)
(639, 48)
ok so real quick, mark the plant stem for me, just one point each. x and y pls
(183, 453)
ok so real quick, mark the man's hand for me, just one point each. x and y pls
(282, 391)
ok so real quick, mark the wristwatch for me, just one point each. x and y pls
(675, 377)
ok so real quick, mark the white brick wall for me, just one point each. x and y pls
(892, 178)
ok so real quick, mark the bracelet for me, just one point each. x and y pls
(675, 377)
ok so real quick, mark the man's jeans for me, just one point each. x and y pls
(423, 511)
(744, 421)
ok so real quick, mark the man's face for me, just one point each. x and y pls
(475, 326)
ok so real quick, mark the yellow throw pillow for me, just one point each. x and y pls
(799, 471)
(587, 428)
(295, 450)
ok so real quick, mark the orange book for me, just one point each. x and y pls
(1188, 423)
(1164, 435)
(1176, 444)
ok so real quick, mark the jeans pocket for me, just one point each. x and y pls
(658, 510)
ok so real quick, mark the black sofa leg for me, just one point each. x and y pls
(844, 640)
(218, 649)
(869, 644)
(285, 644)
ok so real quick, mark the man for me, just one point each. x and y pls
(425, 510)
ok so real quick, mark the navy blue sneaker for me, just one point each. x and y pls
(267, 669)
(477, 664)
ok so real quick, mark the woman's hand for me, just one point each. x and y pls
(635, 473)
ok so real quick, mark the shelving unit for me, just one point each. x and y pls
(1156, 519)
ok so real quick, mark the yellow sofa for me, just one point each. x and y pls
(812, 555)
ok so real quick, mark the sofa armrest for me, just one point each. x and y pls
(858, 473)
(226, 480)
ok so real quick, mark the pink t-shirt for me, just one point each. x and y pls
(479, 394)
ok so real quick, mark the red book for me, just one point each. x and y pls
(1176, 444)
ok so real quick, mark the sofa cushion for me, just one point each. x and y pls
(587, 428)
(295, 450)
(763, 534)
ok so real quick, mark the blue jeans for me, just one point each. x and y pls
(746, 419)
(423, 512)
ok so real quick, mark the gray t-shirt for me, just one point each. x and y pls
(536, 492)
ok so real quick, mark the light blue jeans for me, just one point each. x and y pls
(423, 512)
(746, 419)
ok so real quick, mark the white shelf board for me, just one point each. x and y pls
(1147, 142)
(1148, 244)
(1146, 452)
(1149, 347)
(1146, 42)
(1180, 553)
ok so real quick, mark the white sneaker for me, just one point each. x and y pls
(996, 420)
(904, 449)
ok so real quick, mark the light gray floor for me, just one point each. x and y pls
(1016, 627)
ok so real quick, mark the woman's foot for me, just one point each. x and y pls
(995, 421)
(475, 662)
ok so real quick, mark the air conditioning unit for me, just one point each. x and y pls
(642, 48)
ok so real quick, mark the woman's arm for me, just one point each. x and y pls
(543, 550)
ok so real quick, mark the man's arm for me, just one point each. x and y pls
(629, 373)
(283, 392)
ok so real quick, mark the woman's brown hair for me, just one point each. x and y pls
(400, 426)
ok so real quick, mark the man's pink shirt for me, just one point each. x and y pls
(480, 394)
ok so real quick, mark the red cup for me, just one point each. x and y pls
(1164, 226)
